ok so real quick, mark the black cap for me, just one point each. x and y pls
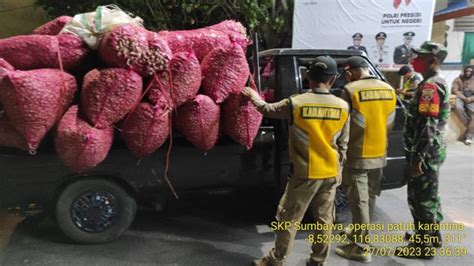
(468, 66)
(381, 35)
(409, 34)
(403, 70)
(355, 62)
(357, 36)
(323, 66)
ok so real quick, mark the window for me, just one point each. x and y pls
(267, 78)
(304, 63)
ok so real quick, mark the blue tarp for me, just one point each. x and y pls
(453, 5)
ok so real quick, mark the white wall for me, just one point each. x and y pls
(449, 76)
(455, 38)
(455, 44)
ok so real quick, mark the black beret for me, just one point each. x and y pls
(381, 35)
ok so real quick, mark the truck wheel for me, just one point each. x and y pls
(94, 211)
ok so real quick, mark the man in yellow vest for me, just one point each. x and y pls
(372, 103)
(318, 133)
(411, 81)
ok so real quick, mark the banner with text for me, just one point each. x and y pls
(385, 29)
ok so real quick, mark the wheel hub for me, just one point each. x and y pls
(94, 212)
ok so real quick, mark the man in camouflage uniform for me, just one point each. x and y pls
(425, 149)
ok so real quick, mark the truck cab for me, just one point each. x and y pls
(283, 73)
(99, 205)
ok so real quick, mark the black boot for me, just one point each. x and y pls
(310, 262)
(421, 246)
(435, 237)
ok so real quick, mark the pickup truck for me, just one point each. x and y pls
(99, 205)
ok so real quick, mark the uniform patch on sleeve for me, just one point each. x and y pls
(429, 103)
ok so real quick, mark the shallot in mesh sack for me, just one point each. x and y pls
(79, 145)
(204, 40)
(235, 30)
(72, 49)
(5, 67)
(53, 27)
(147, 128)
(198, 121)
(34, 100)
(108, 95)
(9, 136)
(241, 120)
(185, 74)
(224, 70)
(133, 47)
(26, 52)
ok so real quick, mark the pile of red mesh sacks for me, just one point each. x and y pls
(138, 83)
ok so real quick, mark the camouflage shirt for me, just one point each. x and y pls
(426, 118)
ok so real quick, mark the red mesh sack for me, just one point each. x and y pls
(5, 67)
(34, 100)
(73, 50)
(109, 94)
(241, 120)
(201, 41)
(204, 40)
(235, 30)
(43, 51)
(78, 144)
(224, 70)
(198, 121)
(185, 73)
(9, 136)
(135, 48)
(147, 128)
(53, 27)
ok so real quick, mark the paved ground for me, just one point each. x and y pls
(232, 230)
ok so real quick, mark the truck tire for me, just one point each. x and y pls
(94, 211)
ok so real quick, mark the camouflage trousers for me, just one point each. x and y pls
(423, 198)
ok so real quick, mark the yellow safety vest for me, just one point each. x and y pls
(373, 105)
(318, 120)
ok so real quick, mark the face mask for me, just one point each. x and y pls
(418, 65)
